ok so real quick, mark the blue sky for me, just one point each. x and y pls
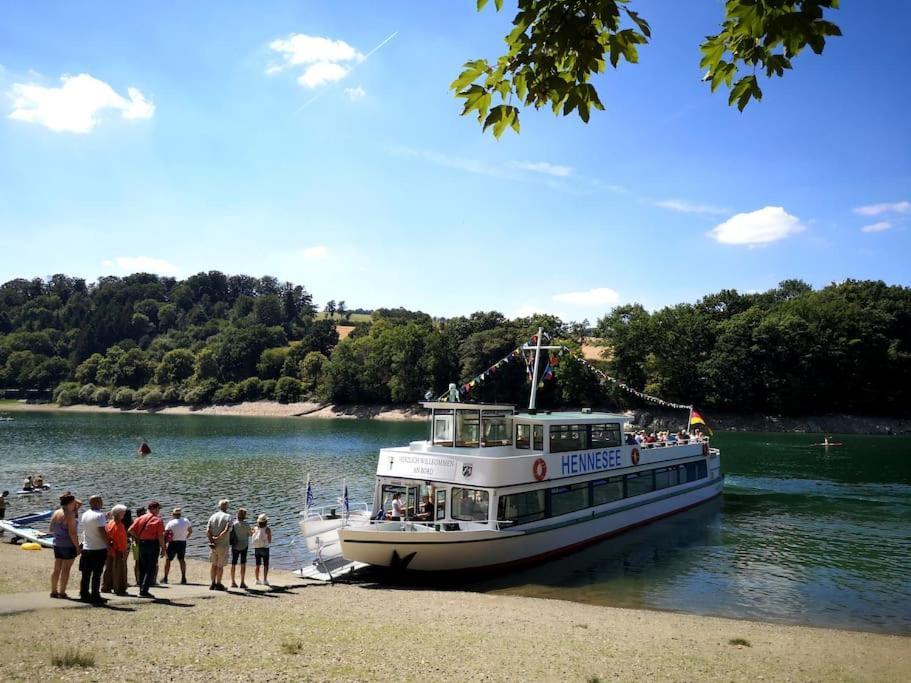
(178, 137)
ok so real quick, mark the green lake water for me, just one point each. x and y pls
(801, 534)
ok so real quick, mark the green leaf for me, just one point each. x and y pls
(481, 4)
(500, 117)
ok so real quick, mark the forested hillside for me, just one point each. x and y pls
(147, 341)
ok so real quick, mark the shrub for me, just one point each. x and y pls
(171, 394)
(102, 396)
(73, 658)
(199, 392)
(292, 647)
(267, 389)
(152, 398)
(87, 393)
(124, 398)
(71, 388)
(226, 393)
(288, 389)
(250, 389)
(67, 397)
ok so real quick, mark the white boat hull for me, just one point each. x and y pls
(423, 549)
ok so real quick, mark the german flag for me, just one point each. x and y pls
(696, 418)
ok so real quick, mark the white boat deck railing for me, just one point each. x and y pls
(669, 444)
(445, 525)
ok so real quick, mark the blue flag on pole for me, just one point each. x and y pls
(345, 498)
(309, 495)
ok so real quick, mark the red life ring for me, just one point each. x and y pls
(539, 469)
(705, 448)
(634, 455)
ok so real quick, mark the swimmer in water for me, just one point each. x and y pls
(144, 449)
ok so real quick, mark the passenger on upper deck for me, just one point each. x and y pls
(631, 439)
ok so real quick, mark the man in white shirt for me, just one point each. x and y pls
(95, 545)
(178, 530)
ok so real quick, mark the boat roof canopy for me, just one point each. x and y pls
(450, 405)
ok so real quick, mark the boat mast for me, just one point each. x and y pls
(534, 379)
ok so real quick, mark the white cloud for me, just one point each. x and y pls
(542, 167)
(684, 206)
(74, 106)
(879, 226)
(766, 225)
(322, 73)
(325, 60)
(356, 93)
(877, 209)
(317, 253)
(600, 296)
(141, 264)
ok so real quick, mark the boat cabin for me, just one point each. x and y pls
(487, 463)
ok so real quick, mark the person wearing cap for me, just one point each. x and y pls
(115, 567)
(179, 529)
(217, 531)
(149, 531)
(262, 539)
(95, 545)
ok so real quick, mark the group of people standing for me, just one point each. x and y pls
(236, 535)
(103, 541)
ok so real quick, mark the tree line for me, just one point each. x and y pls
(148, 341)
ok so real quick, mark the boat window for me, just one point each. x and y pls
(441, 504)
(664, 477)
(639, 483)
(567, 438)
(468, 428)
(703, 469)
(520, 508)
(695, 471)
(470, 505)
(442, 427)
(605, 435)
(565, 499)
(523, 436)
(495, 429)
(538, 444)
(607, 490)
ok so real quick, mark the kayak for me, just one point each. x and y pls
(831, 444)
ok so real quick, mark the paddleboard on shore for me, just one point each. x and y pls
(20, 528)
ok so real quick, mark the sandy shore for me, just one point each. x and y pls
(349, 632)
(247, 409)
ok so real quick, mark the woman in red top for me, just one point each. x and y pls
(115, 567)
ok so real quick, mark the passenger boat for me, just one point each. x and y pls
(512, 487)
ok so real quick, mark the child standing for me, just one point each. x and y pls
(262, 539)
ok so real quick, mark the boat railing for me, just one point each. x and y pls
(670, 444)
(335, 511)
(423, 525)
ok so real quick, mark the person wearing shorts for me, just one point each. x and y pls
(217, 531)
(180, 530)
(262, 539)
(240, 541)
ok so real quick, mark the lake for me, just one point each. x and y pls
(801, 534)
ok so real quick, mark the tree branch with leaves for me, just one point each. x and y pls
(556, 47)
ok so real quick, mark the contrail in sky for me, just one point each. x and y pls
(313, 99)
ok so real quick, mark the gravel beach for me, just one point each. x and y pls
(317, 632)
